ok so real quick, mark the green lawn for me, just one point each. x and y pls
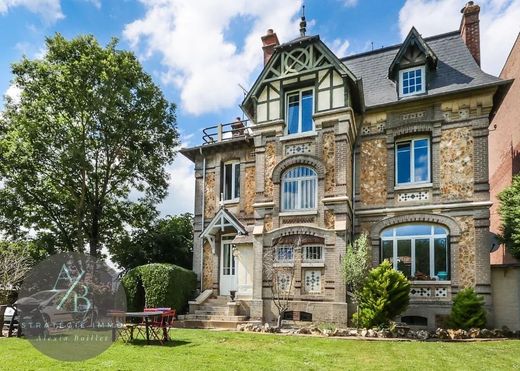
(202, 349)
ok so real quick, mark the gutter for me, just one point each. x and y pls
(203, 221)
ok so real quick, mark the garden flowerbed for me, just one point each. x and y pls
(398, 333)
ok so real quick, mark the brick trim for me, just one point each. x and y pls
(315, 162)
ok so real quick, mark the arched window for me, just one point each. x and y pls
(299, 189)
(420, 251)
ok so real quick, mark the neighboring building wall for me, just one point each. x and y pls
(504, 142)
(506, 296)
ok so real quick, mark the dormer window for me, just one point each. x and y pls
(412, 81)
(300, 108)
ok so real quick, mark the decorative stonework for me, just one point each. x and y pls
(299, 220)
(467, 264)
(207, 269)
(249, 190)
(456, 164)
(312, 281)
(413, 196)
(329, 157)
(268, 223)
(441, 292)
(464, 108)
(373, 172)
(413, 116)
(298, 149)
(330, 219)
(210, 198)
(270, 163)
(420, 292)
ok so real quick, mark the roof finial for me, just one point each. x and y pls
(303, 23)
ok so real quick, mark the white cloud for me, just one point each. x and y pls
(499, 25)
(50, 10)
(190, 36)
(350, 3)
(13, 92)
(181, 190)
(95, 3)
(339, 47)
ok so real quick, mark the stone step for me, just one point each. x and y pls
(214, 317)
(211, 311)
(201, 324)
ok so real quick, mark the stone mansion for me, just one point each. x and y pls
(391, 142)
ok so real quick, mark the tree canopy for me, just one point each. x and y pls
(510, 214)
(167, 240)
(84, 149)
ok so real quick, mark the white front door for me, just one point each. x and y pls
(228, 268)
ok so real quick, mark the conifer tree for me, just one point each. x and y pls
(467, 310)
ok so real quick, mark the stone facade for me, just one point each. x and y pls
(466, 259)
(456, 152)
(249, 191)
(373, 172)
(329, 152)
(210, 197)
(270, 162)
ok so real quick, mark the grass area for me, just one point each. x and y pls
(218, 350)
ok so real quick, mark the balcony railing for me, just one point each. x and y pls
(224, 132)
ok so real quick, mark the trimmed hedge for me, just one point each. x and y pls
(162, 285)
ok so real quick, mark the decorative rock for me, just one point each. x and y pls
(371, 333)
(384, 333)
(327, 332)
(304, 331)
(364, 332)
(352, 332)
(485, 333)
(474, 333)
(315, 331)
(457, 334)
(507, 332)
(422, 335)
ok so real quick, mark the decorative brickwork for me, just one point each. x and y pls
(456, 167)
(249, 191)
(330, 219)
(373, 172)
(207, 270)
(299, 220)
(467, 266)
(210, 199)
(329, 150)
(270, 163)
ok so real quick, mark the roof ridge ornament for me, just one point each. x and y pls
(303, 23)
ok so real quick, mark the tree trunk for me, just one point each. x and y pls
(279, 320)
(94, 233)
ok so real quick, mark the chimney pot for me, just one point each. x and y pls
(269, 42)
(470, 29)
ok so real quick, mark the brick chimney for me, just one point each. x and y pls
(470, 29)
(269, 41)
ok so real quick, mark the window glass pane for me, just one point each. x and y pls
(421, 162)
(441, 256)
(403, 163)
(293, 114)
(307, 102)
(228, 180)
(440, 230)
(237, 181)
(388, 232)
(422, 256)
(404, 257)
(388, 251)
(414, 230)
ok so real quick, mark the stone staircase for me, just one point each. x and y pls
(209, 311)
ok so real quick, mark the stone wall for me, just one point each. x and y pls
(270, 163)
(249, 191)
(466, 253)
(268, 223)
(329, 151)
(210, 197)
(456, 167)
(207, 269)
(373, 172)
(330, 219)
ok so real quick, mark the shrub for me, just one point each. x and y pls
(163, 285)
(385, 294)
(356, 264)
(467, 310)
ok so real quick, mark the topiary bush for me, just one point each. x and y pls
(385, 294)
(467, 310)
(163, 285)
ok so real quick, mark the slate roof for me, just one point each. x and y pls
(456, 70)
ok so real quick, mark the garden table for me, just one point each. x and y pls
(146, 316)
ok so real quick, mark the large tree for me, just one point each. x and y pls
(90, 128)
(510, 214)
(167, 240)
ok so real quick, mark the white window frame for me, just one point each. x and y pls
(299, 180)
(423, 79)
(431, 237)
(300, 122)
(306, 249)
(234, 164)
(412, 161)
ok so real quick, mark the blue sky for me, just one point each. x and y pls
(198, 51)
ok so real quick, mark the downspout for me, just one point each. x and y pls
(203, 221)
(352, 201)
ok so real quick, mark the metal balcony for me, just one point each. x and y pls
(225, 132)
